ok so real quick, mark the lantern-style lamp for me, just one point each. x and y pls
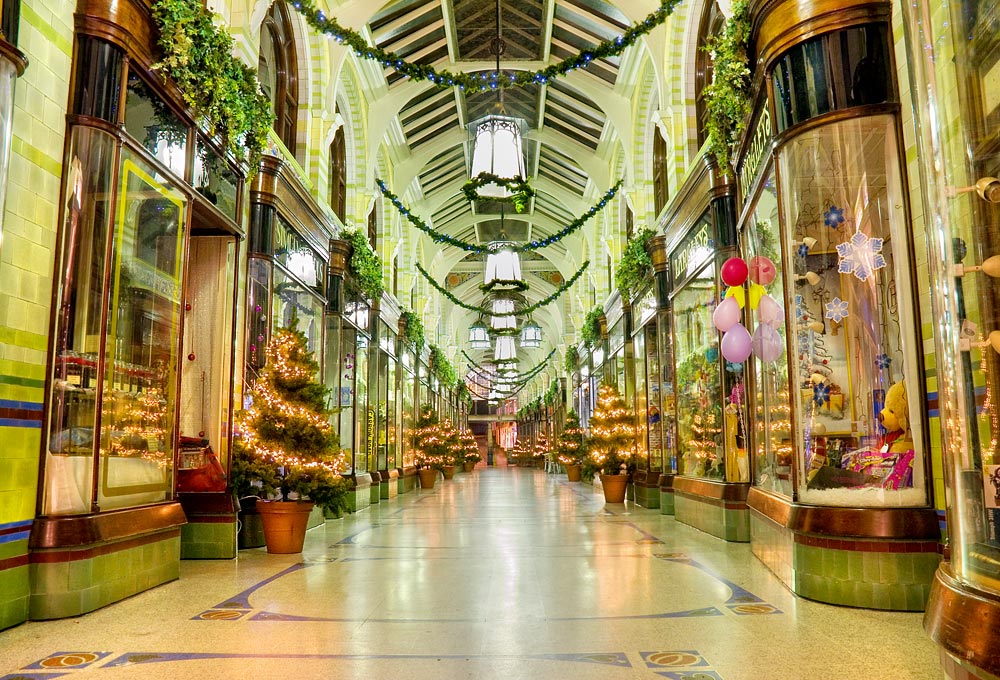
(497, 149)
(531, 334)
(479, 336)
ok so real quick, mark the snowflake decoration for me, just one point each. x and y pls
(834, 217)
(882, 361)
(860, 256)
(836, 309)
(821, 394)
(800, 308)
(803, 250)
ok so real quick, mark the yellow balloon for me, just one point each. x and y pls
(737, 292)
(756, 293)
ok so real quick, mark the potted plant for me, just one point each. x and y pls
(611, 444)
(570, 449)
(287, 445)
(430, 445)
(452, 453)
(541, 451)
(469, 450)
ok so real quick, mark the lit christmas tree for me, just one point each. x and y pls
(287, 427)
(541, 449)
(611, 444)
(569, 448)
(469, 448)
(434, 442)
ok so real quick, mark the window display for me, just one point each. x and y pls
(856, 342)
(407, 413)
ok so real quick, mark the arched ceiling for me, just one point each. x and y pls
(569, 146)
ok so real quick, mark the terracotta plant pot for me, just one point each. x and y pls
(427, 477)
(614, 487)
(468, 467)
(573, 472)
(449, 471)
(285, 524)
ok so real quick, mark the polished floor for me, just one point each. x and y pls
(501, 573)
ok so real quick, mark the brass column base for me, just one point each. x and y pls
(964, 622)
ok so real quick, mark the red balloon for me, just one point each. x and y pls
(762, 270)
(734, 272)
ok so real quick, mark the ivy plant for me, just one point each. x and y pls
(635, 264)
(572, 361)
(414, 333)
(223, 92)
(591, 332)
(442, 368)
(365, 265)
(727, 97)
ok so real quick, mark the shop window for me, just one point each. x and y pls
(154, 125)
(712, 20)
(277, 69)
(660, 189)
(338, 175)
(856, 346)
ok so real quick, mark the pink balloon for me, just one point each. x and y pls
(770, 312)
(734, 272)
(726, 314)
(762, 270)
(736, 344)
(766, 343)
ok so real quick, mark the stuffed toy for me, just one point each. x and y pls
(895, 419)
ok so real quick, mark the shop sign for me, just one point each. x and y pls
(693, 252)
(760, 144)
(371, 433)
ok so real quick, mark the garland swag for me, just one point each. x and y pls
(727, 97)
(365, 264)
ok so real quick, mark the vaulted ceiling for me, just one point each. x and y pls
(567, 147)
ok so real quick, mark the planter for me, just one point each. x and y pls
(573, 472)
(468, 467)
(285, 524)
(427, 477)
(449, 471)
(614, 487)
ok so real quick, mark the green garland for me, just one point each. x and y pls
(440, 237)
(222, 91)
(518, 312)
(442, 368)
(727, 97)
(572, 361)
(508, 284)
(530, 373)
(481, 82)
(365, 264)
(591, 332)
(414, 333)
(635, 264)
(521, 192)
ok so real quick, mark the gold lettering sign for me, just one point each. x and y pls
(699, 245)
(371, 432)
(760, 144)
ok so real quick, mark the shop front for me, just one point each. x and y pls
(648, 402)
(841, 503)
(141, 366)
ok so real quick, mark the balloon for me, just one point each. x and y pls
(762, 270)
(734, 272)
(756, 292)
(737, 293)
(736, 344)
(770, 312)
(766, 343)
(726, 314)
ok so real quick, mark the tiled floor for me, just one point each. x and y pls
(501, 573)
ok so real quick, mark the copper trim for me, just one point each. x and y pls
(276, 184)
(707, 488)
(214, 503)
(657, 249)
(852, 113)
(114, 525)
(965, 622)
(128, 24)
(887, 523)
(14, 56)
(667, 481)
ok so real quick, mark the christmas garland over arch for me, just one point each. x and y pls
(440, 237)
(521, 192)
(482, 82)
(517, 312)
(525, 375)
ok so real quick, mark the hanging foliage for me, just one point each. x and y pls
(414, 329)
(517, 312)
(727, 97)
(572, 361)
(520, 191)
(635, 264)
(223, 92)
(553, 393)
(591, 331)
(365, 264)
(442, 368)
(440, 237)
(481, 82)
(519, 377)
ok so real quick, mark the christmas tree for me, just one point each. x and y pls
(434, 441)
(469, 447)
(286, 441)
(541, 447)
(569, 448)
(612, 434)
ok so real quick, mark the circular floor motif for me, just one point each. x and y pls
(222, 615)
(673, 659)
(753, 608)
(69, 660)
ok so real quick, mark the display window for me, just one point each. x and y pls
(771, 413)
(407, 382)
(643, 450)
(661, 388)
(855, 370)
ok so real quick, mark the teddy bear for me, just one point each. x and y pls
(895, 418)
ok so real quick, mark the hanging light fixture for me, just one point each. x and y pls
(504, 306)
(506, 349)
(502, 263)
(479, 335)
(531, 334)
(496, 138)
